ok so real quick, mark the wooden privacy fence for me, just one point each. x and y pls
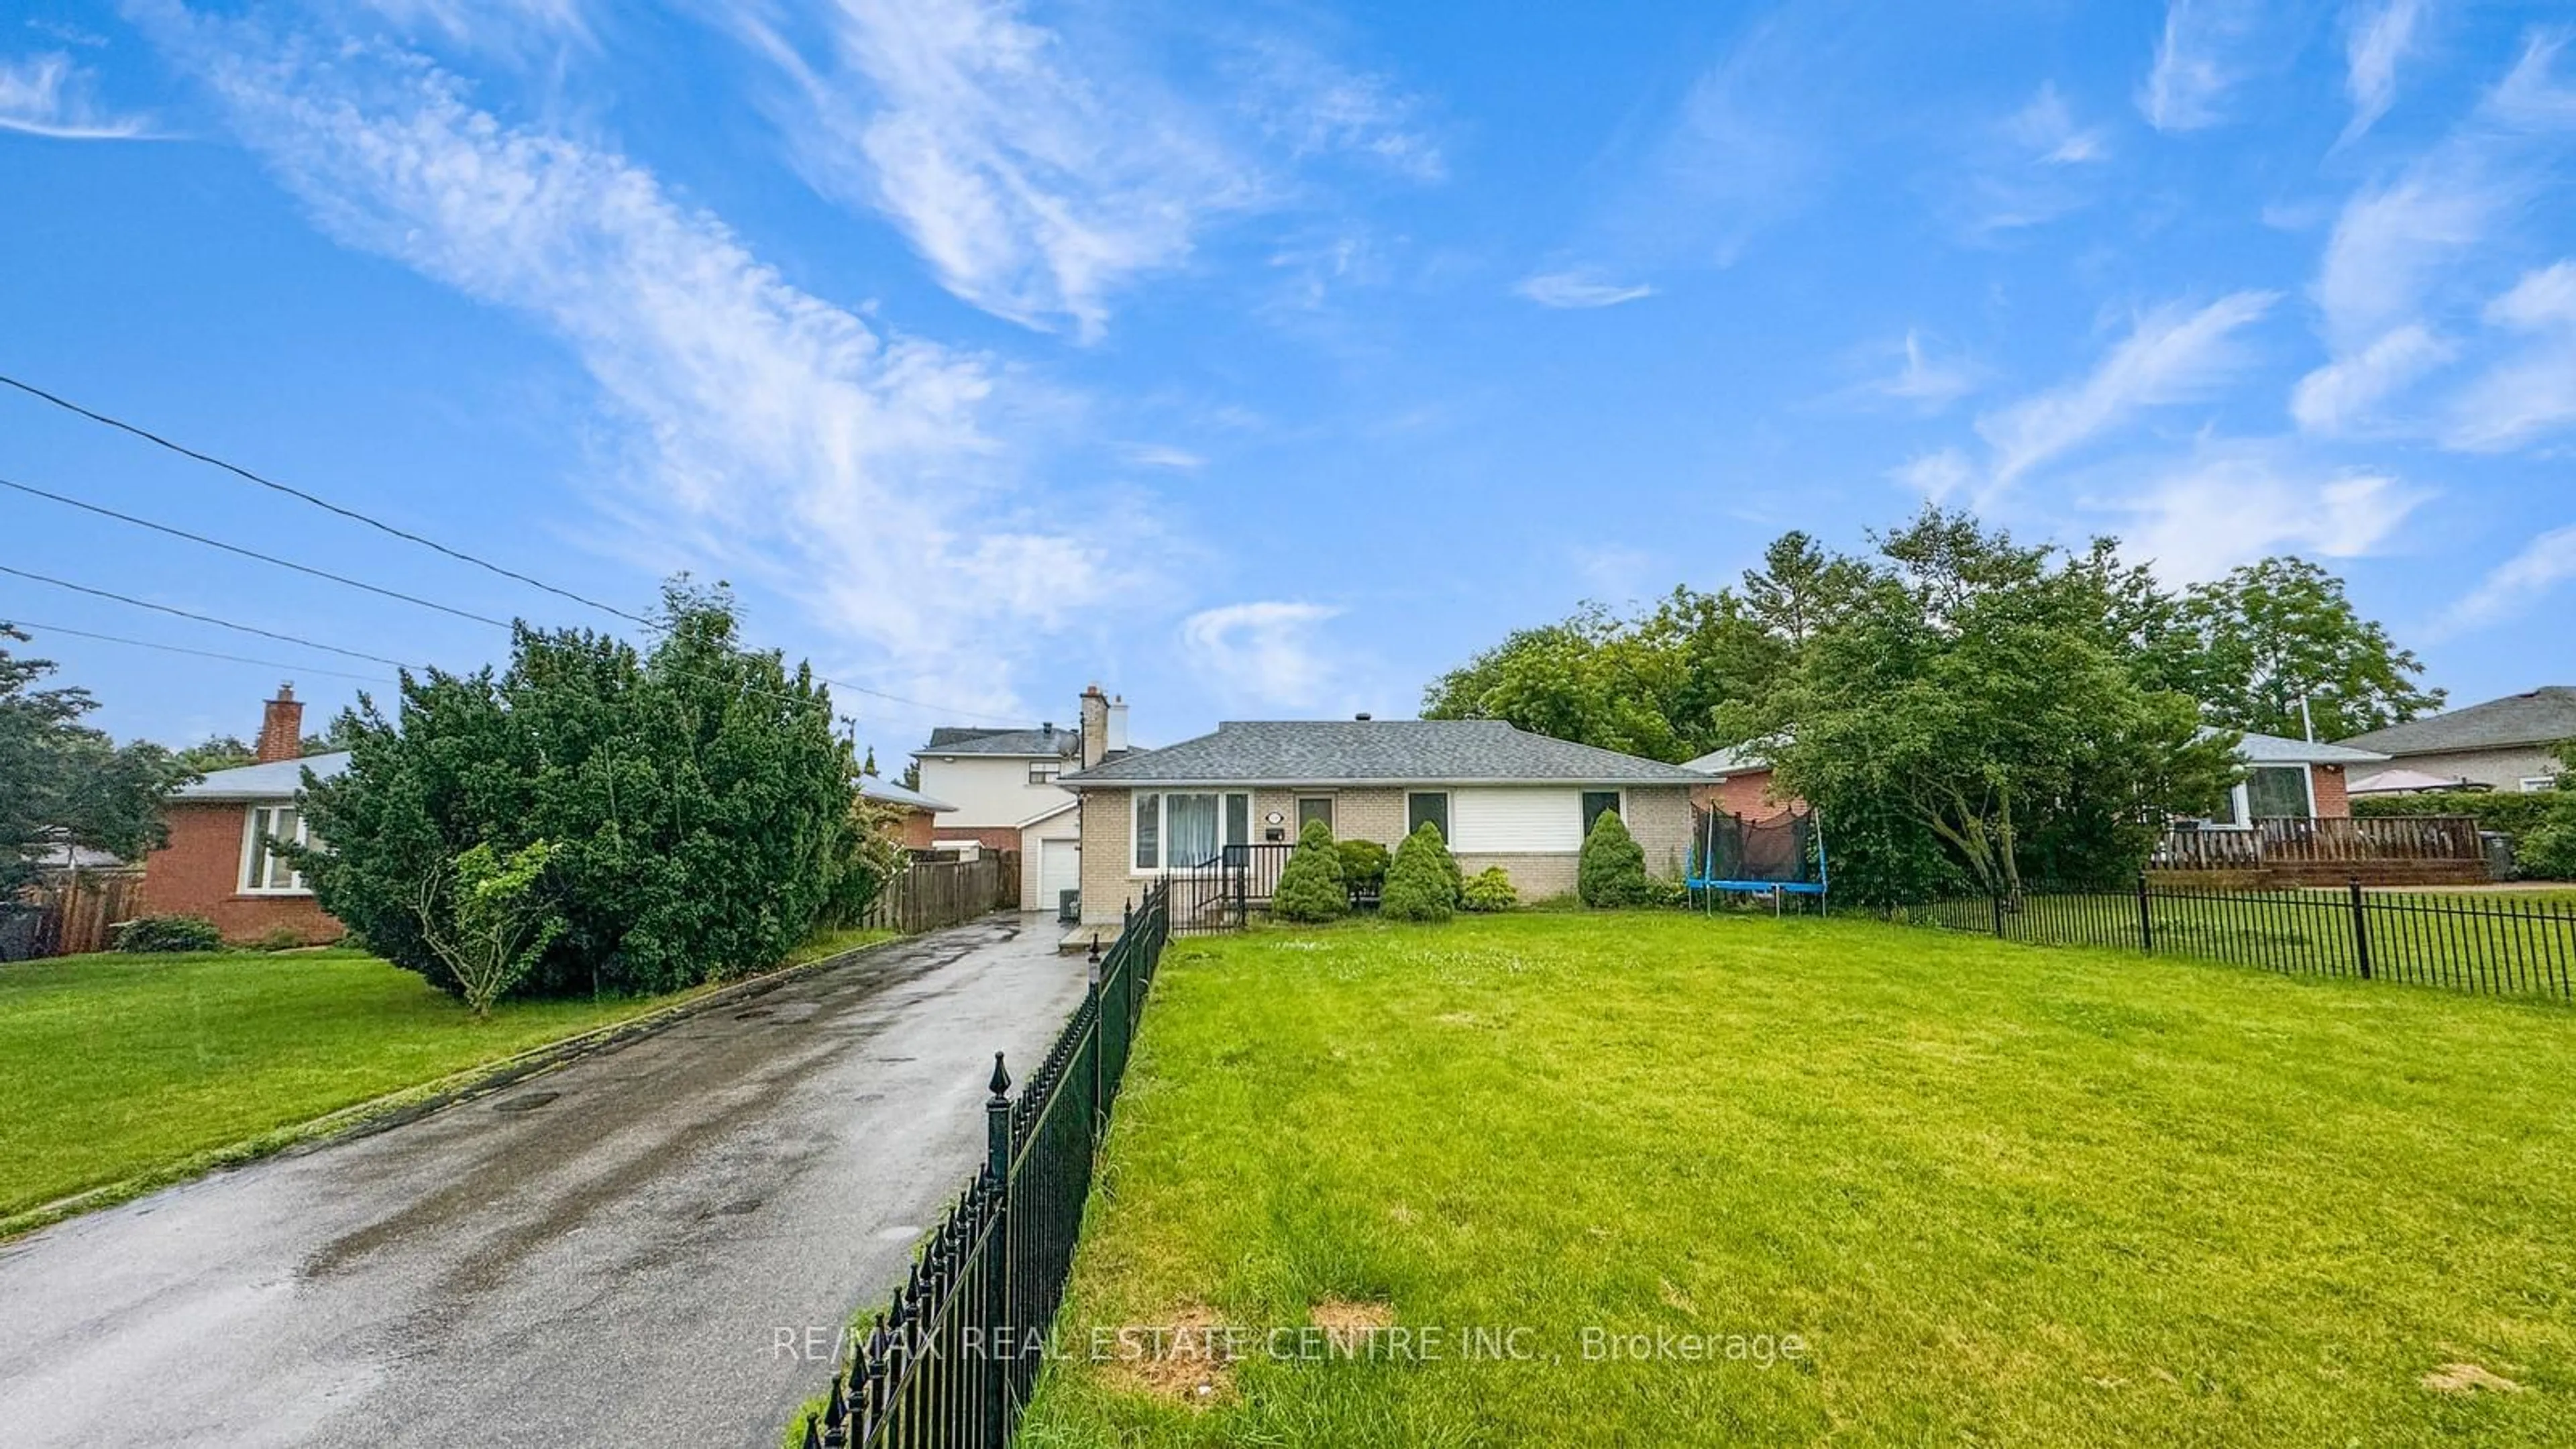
(67, 914)
(930, 894)
(2313, 842)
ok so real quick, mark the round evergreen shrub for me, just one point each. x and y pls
(1310, 885)
(1421, 880)
(1612, 870)
(1490, 889)
(168, 933)
(1364, 864)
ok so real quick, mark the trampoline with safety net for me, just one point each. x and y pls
(1781, 858)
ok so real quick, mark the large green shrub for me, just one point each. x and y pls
(1310, 885)
(1421, 880)
(1490, 889)
(1612, 869)
(1364, 864)
(694, 800)
(168, 933)
(2541, 822)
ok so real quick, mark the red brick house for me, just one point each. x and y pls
(218, 863)
(919, 813)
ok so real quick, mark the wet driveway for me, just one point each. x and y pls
(630, 1250)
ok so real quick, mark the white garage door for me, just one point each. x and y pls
(1059, 870)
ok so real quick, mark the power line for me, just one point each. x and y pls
(252, 553)
(36, 628)
(203, 618)
(316, 500)
(354, 515)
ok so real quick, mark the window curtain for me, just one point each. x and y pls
(1190, 829)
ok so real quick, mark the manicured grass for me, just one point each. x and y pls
(2003, 1194)
(115, 1067)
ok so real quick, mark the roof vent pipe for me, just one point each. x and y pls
(1363, 716)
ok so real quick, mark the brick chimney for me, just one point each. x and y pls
(1095, 726)
(281, 727)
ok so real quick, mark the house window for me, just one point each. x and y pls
(2278, 792)
(265, 869)
(2534, 784)
(1431, 805)
(1185, 828)
(1312, 808)
(1597, 803)
(1043, 772)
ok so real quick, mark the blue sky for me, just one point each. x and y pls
(1262, 360)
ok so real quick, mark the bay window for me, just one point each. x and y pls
(1178, 829)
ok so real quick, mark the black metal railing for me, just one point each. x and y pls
(952, 1359)
(2504, 946)
(1222, 892)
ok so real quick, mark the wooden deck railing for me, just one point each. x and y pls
(2307, 842)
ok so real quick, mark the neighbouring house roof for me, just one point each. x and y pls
(53, 852)
(2401, 782)
(1376, 752)
(275, 780)
(1732, 760)
(887, 792)
(2277, 750)
(1047, 814)
(2542, 717)
(949, 740)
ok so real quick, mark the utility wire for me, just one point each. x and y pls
(203, 618)
(354, 515)
(317, 501)
(33, 627)
(252, 553)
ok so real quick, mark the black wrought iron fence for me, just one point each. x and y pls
(2498, 945)
(952, 1359)
(1222, 892)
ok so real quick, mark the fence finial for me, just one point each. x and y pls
(1001, 1082)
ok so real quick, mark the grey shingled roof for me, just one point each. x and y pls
(1393, 751)
(946, 740)
(885, 791)
(2278, 750)
(2543, 717)
(276, 780)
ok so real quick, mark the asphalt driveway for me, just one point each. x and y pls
(636, 1249)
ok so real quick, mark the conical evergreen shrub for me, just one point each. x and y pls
(1310, 885)
(1612, 871)
(1422, 883)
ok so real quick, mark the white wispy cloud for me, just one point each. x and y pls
(1162, 455)
(1923, 380)
(2344, 393)
(2036, 165)
(2171, 355)
(2196, 63)
(47, 95)
(1578, 288)
(760, 428)
(1264, 653)
(2514, 586)
(2401, 248)
(1936, 475)
(2233, 503)
(488, 24)
(2531, 391)
(1041, 170)
(2378, 38)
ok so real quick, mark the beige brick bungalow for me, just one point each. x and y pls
(1502, 796)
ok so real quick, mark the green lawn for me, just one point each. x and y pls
(141, 1069)
(2002, 1195)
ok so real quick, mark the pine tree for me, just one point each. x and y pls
(1310, 885)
